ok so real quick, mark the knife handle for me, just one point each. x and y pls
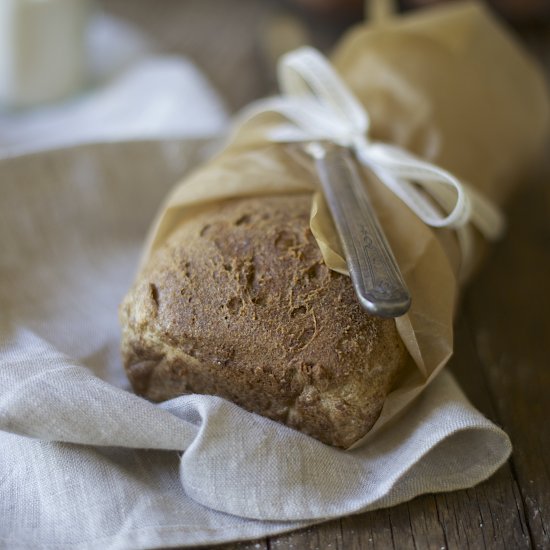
(374, 272)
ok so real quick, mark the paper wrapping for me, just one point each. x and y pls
(450, 85)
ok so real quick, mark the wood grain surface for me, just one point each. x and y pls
(502, 357)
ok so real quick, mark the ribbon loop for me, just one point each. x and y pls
(305, 72)
(319, 106)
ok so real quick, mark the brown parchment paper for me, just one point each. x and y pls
(450, 85)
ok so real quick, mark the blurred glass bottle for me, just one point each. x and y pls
(42, 50)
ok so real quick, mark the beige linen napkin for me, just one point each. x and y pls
(87, 464)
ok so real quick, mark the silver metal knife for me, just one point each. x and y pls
(374, 272)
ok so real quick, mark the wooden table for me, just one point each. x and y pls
(502, 357)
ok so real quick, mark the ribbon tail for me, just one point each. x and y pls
(485, 215)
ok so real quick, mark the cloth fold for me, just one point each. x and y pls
(85, 463)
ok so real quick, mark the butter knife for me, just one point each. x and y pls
(374, 272)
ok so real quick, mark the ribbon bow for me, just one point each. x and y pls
(319, 106)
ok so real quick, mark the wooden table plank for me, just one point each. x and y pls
(508, 308)
(503, 334)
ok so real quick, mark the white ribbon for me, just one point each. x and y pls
(319, 106)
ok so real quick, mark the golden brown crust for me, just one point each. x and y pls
(238, 303)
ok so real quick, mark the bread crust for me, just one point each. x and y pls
(238, 303)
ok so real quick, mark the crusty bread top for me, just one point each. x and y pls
(239, 303)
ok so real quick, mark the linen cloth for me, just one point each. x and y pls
(133, 93)
(84, 463)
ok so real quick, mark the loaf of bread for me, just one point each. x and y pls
(238, 303)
